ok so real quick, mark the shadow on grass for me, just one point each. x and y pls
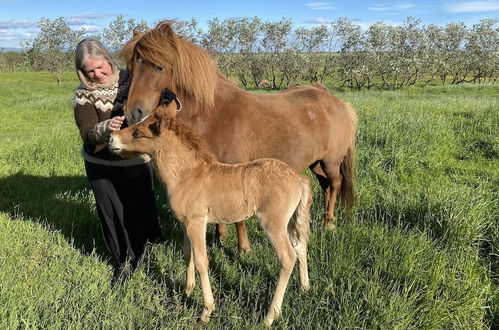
(66, 204)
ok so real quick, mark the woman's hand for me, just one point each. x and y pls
(114, 124)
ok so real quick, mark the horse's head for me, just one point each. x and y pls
(159, 60)
(142, 138)
(148, 58)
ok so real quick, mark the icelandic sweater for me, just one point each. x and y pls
(94, 105)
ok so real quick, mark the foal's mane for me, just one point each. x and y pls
(194, 74)
(187, 136)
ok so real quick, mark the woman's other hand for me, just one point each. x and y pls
(114, 124)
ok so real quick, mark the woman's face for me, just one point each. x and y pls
(97, 69)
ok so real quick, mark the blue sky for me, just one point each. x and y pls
(18, 18)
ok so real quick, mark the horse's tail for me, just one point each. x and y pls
(299, 225)
(347, 167)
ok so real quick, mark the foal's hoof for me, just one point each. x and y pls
(304, 288)
(268, 322)
(189, 289)
(202, 320)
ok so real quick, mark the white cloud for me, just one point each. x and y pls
(91, 16)
(473, 7)
(11, 40)
(319, 21)
(405, 6)
(92, 28)
(320, 6)
(378, 8)
(19, 24)
(399, 7)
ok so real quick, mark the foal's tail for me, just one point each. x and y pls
(299, 225)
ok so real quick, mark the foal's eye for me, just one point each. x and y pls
(158, 68)
(137, 135)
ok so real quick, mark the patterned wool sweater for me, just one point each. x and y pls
(94, 105)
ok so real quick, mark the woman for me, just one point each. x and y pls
(123, 188)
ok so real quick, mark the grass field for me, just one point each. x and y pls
(419, 251)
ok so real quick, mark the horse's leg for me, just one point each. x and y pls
(335, 178)
(196, 230)
(330, 178)
(325, 184)
(243, 243)
(190, 282)
(220, 232)
(278, 236)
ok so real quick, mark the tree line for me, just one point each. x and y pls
(274, 54)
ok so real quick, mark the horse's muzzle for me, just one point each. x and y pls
(137, 115)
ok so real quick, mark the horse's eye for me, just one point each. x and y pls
(158, 68)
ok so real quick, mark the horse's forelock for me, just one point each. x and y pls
(127, 53)
(194, 73)
(154, 48)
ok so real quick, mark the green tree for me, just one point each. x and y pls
(52, 48)
(120, 31)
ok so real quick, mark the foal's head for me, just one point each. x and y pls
(142, 138)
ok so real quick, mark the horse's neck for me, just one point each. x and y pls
(192, 112)
(175, 162)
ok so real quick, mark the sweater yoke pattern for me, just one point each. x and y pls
(104, 99)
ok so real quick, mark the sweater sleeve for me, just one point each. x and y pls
(92, 131)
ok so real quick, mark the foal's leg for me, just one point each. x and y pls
(278, 235)
(196, 230)
(190, 282)
(301, 252)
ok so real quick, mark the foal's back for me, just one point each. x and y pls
(229, 193)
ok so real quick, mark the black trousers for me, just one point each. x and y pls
(126, 205)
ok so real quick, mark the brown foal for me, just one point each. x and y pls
(202, 190)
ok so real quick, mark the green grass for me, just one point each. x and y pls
(419, 251)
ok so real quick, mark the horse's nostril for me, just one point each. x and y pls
(136, 115)
(111, 140)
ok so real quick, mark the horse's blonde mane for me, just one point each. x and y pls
(194, 74)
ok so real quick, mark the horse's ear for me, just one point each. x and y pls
(136, 32)
(166, 28)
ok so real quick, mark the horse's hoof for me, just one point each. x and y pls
(202, 320)
(330, 225)
(244, 250)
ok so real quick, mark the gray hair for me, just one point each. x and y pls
(90, 47)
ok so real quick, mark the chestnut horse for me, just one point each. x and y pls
(303, 126)
(202, 190)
